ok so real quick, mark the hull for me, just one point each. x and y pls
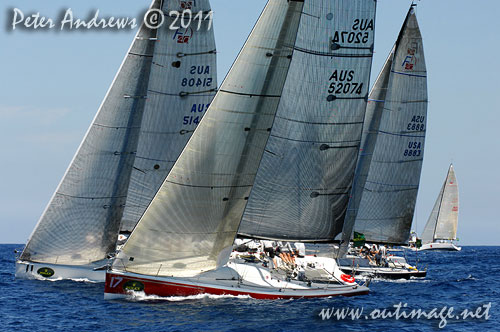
(445, 246)
(234, 279)
(386, 273)
(43, 271)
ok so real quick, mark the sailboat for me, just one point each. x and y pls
(153, 105)
(391, 155)
(304, 67)
(441, 228)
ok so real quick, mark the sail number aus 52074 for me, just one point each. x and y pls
(341, 82)
(359, 35)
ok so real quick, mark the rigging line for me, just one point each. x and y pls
(250, 94)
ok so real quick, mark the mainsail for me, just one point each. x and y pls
(391, 155)
(140, 126)
(443, 221)
(182, 84)
(305, 177)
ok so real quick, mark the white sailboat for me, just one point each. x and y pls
(289, 79)
(391, 155)
(441, 228)
(132, 143)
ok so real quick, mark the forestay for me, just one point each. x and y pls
(81, 222)
(192, 221)
(393, 145)
(443, 221)
(304, 181)
(182, 84)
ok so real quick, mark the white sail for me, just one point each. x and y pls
(182, 84)
(81, 222)
(192, 221)
(443, 221)
(303, 184)
(388, 172)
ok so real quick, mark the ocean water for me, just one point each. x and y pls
(463, 280)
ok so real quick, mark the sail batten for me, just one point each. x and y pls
(388, 171)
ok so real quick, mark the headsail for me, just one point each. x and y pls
(305, 177)
(81, 222)
(182, 84)
(192, 221)
(390, 163)
(443, 221)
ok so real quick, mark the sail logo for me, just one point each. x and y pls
(45, 272)
(408, 62)
(183, 35)
(187, 4)
(133, 285)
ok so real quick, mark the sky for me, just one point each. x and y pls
(52, 83)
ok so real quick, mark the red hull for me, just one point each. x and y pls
(121, 285)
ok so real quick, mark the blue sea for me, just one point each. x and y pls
(465, 280)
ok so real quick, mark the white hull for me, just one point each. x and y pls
(43, 271)
(233, 279)
(440, 246)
